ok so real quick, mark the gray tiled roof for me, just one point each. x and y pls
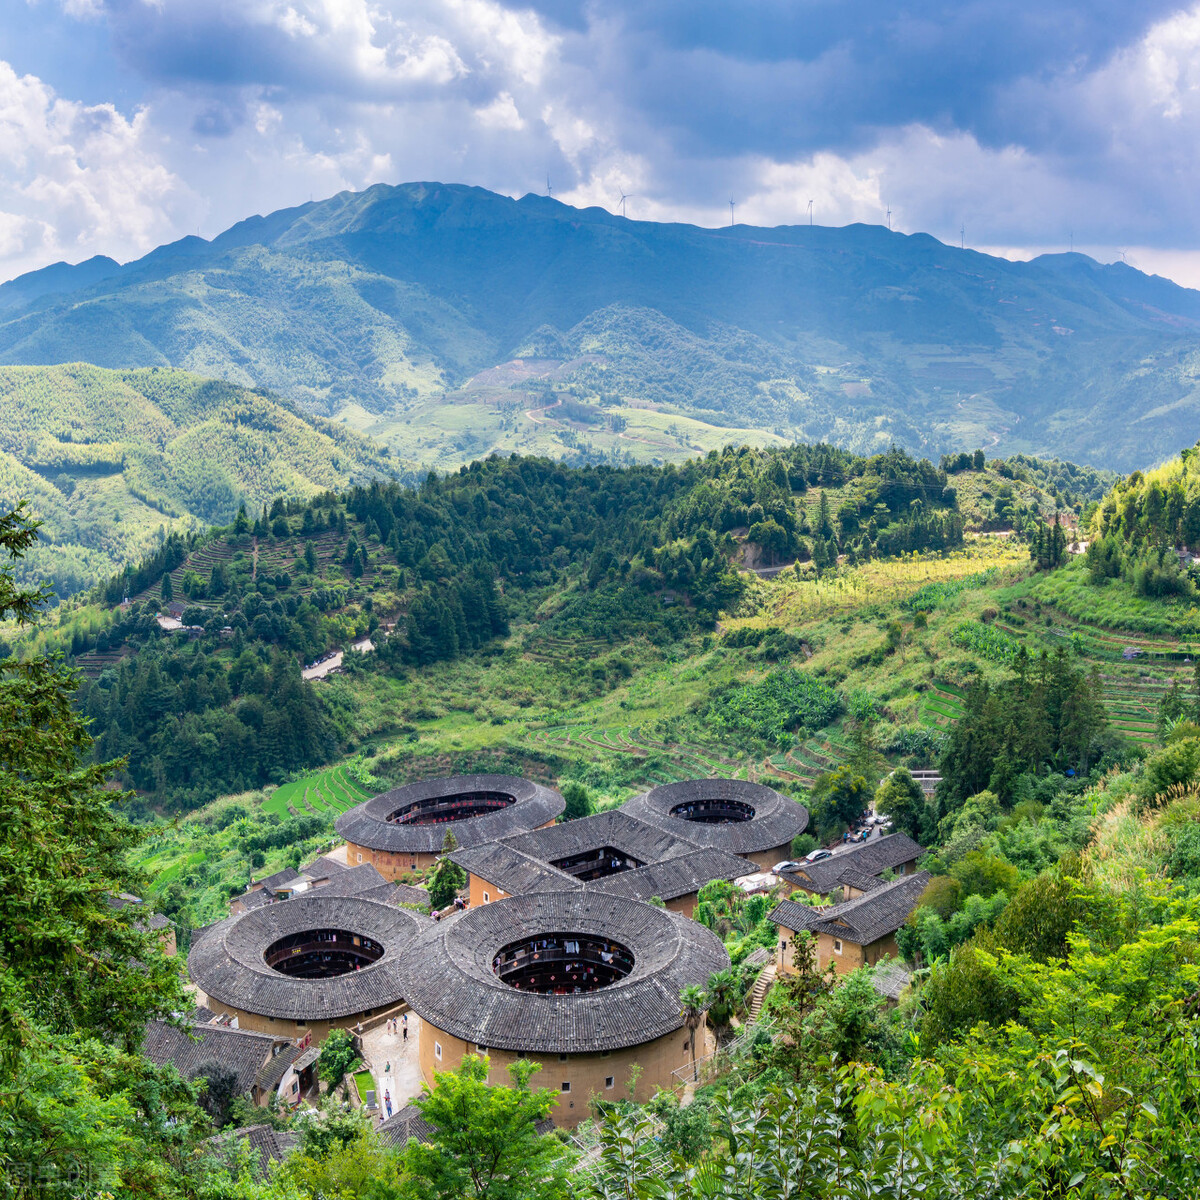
(672, 867)
(353, 881)
(368, 825)
(859, 880)
(863, 920)
(267, 1145)
(869, 858)
(228, 963)
(512, 870)
(258, 899)
(156, 920)
(448, 980)
(324, 867)
(776, 821)
(407, 893)
(615, 827)
(276, 1068)
(240, 1050)
(279, 878)
(675, 877)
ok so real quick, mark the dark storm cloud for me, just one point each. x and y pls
(782, 77)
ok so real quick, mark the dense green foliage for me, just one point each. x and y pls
(611, 554)
(486, 1144)
(113, 461)
(785, 702)
(1048, 715)
(79, 973)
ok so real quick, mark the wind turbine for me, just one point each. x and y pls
(962, 236)
(731, 207)
(810, 204)
(624, 197)
(549, 189)
(889, 218)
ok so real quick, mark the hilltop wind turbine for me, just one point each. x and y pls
(549, 189)
(962, 236)
(810, 204)
(889, 218)
(624, 197)
(732, 203)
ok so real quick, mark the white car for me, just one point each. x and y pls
(816, 855)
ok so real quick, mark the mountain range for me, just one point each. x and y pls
(371, 305)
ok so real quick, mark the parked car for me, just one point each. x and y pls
(786, 865)
(816, 855)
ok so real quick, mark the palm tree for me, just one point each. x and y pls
(692, 1002)
(722, 994)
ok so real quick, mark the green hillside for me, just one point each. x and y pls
(113, 461)
(402, 305)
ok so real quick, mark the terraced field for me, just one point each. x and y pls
(268, 557)
(333, 789)
(943, 705)
(1135, 670)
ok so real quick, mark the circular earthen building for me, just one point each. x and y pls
(747, 819)
(405, 829)
(585, 984)
(306, 965)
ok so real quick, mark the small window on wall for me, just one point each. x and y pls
(299, 1024)
(437, 1050)
(482, 1049)
(360, 858)
(837, 945)
(562, 1058)
(609, 1081)
(566, 1087)
(486, 898)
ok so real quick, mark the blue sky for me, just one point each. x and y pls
(126, 123)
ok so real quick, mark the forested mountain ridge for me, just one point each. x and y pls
(383, 299)
(438, 572)
(113, 461)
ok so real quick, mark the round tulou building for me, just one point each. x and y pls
(747, 819)
(583, 983)
(309, 965)
(405, 829)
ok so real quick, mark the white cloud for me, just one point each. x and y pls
(502, 113)
(76, 179)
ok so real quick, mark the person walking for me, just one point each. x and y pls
(387, 1102)
(404, 1027)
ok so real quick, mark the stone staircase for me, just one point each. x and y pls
(762, 985)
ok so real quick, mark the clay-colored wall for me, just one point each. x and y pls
(586, 1073)
(283, 1027)
(477, 889)
(852, 955)
(683, 904)
(390, 864)
(393, 864)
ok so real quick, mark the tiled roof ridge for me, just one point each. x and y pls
(449, 980)
(777, 818)
(367, 824)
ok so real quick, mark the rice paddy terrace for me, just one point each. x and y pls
(332, 790)
(1135, 669)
